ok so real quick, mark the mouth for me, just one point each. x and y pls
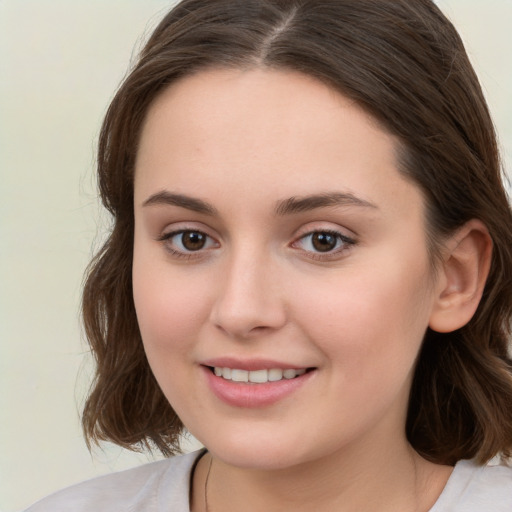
(260, 376)
(256, 383)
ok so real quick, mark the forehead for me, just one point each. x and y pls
(243, 101)
(276, 133)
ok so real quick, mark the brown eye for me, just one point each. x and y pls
(328, 243)
(187, 241)
(193, 240)
(324, 242)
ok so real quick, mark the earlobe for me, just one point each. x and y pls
(462, 276)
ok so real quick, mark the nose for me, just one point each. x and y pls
(250, 299)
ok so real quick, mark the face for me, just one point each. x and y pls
(281, 276)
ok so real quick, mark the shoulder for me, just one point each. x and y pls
(146, 487)
(474, 488)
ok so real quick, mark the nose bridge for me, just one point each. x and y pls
(249, 299)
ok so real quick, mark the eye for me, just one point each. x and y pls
(324, 242)
(186, 241)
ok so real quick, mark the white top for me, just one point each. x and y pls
(164, 486)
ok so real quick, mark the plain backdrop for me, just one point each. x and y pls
(60, 62)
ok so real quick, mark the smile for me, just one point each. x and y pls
(259, 384)
(257, 376)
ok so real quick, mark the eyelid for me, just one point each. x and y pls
(166, 238)
(172, 228)
(347, 242)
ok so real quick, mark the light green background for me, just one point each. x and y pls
(60, 61)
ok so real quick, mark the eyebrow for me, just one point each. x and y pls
(190, 203)
(288, 206)
(312, 202)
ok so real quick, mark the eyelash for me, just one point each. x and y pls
(166, 239)
(344, 242)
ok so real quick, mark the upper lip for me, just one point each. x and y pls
(251, 364)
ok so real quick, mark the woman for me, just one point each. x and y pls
(310, 266)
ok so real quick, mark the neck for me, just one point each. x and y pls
(391, 479)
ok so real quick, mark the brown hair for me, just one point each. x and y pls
(404, 63)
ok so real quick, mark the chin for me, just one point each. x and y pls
(252, 457)
(262, 453)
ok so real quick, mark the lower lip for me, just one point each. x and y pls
(249, 395)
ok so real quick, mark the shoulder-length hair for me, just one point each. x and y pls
(403, 62)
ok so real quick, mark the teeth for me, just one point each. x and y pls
(257, 376)
(275, 374)
(239, 375)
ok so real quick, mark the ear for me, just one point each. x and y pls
(461, 277)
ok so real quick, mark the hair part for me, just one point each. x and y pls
(403, 62)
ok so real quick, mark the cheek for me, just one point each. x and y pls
(169, 309)
(369, 320)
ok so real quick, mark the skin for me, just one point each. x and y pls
(243, 141)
